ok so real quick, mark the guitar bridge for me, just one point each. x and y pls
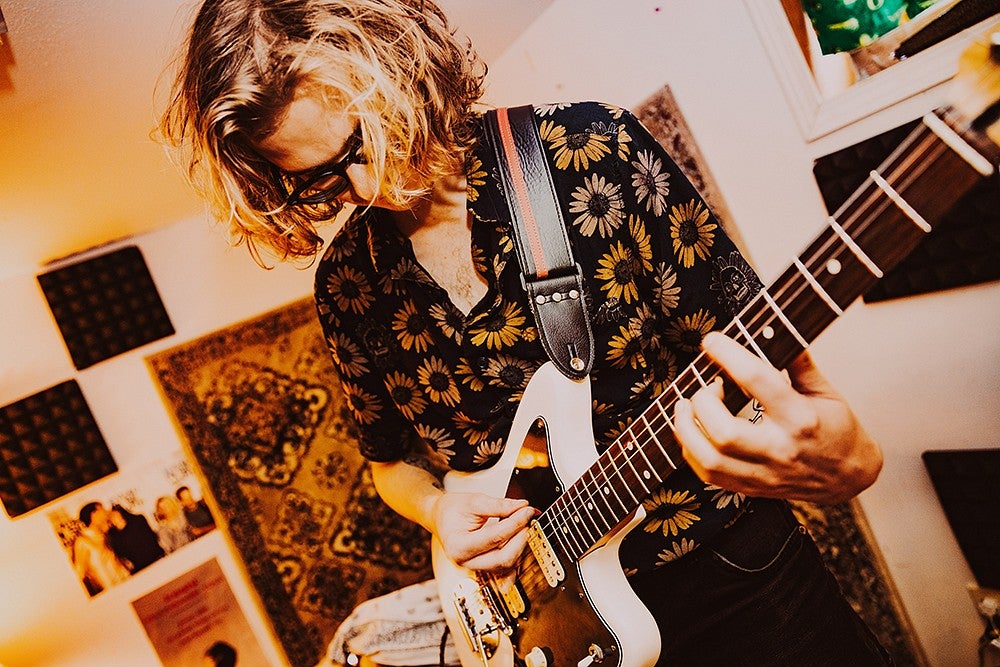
(481, 619)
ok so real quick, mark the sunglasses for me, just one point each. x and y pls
(328, 181)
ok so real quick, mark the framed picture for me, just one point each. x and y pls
(821, 108)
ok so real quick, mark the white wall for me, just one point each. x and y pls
(46, 617)
(923, 372)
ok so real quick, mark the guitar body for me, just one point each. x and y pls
(592, 608)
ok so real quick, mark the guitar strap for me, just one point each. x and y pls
(550, 275)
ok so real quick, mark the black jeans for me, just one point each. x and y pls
(757, 595)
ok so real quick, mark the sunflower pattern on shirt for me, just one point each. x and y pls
(659, 273)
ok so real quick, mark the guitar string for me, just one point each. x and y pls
(783, 291)
(797, 287)
(535, 574)
(922, 144)
(867, 218)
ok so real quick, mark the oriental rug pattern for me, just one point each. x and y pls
(260, 408)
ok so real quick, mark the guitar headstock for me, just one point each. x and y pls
(976, 87)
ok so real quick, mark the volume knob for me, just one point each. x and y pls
(536, 658)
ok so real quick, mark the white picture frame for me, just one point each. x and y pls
(818, 115)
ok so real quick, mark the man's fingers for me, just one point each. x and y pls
(490, 506)
(713, 465)
(504, 558)
(755, 376)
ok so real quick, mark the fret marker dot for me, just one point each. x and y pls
(767, 332)
(576, 517)
(645, 473)
(833, 266)
(607, 491)
(590, 506)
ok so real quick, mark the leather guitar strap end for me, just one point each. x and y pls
(553, 281)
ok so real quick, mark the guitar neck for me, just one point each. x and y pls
(901, 201)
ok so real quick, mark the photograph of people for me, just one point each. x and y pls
(172, 530)
(96, 564)
(198, 516)
(132, 539)
(286, 111)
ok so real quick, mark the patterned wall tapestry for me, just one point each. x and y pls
(261, 410)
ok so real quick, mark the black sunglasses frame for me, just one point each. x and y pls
(325, 171)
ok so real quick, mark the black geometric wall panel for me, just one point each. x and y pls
(963, 250)
(105, 306)
(966, 482)
(50, 445)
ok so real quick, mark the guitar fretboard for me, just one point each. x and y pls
(869, 234)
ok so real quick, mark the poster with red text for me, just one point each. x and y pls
(196, 620)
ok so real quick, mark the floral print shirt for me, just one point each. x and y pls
(659, 272)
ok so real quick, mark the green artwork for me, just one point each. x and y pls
(845, 25)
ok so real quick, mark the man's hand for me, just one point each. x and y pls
(481, 532)
(809, 445)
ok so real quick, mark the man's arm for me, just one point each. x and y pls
(477, 531)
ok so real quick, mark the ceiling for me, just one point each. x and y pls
(80, 85)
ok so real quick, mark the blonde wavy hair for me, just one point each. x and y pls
(394, 65)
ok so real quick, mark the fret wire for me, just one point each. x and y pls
(617, 471)
(822, 293)
(580, 522)
(573, 530)
(670, 423)
(787, 322)
(855, 248)
(908, 152)
(692, 386)
(628, 460)
(694, 369)
(931, 149)
(711, 370)
(592, 504)
(652, 435)
(903, 205)
(567, 530)
(584, 514)
(558, 522)
(753, 343)
(673, 429)
(608, 488)
(864, 218)
(554, 535)
(925, 144)
(603, 496)
(955, 141)
(673, 385)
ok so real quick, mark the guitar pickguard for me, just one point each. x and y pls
(542, 626)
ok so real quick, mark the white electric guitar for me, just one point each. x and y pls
(569, 604)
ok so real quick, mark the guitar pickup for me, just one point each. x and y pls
(542, 549)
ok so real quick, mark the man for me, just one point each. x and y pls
(370, 103)
(198, 516)
(96, 564)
